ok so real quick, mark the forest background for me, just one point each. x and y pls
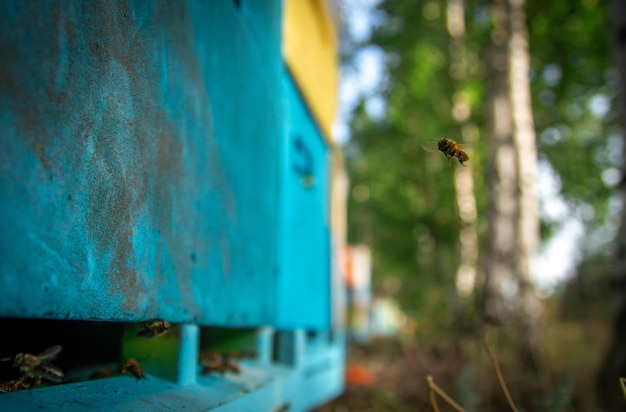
(533, 92)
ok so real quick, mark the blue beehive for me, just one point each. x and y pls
(165, 160)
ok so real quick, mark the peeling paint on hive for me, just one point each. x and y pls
(124, 153)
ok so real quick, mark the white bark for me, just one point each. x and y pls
(463, 178)
(527, 242)
(502, 177)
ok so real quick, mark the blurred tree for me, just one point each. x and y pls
(614, 365)
(513, 225)
(463, 178)
(502, 175)
(403, 201)
(527, 236)
(406, 202)
(573, 85)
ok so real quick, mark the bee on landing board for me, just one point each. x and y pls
(154, 327)
(14, 385)
(132, 367)
(217, 362)
(37, 367)
(451, 149)
(102, 373)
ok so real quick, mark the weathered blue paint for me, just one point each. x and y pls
(158, 160)
(264, 345)
(259, 387)
(148, 166)
(304, 298)
(188, 354)
(320, 375)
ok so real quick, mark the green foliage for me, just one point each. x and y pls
(402, 199)
(571, 63)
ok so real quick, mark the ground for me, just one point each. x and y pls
(390, 374)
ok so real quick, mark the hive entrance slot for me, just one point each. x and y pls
(87, 347)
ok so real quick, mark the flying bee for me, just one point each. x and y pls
(132, 367)
(37, 367)
(451, 149)
(154, 327)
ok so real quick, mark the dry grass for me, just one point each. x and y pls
(462, 368)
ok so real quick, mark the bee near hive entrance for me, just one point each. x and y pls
(223, 349)
(43, 352)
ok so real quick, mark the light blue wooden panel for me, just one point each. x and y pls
(140, 160)
(317, 379)
(156, 160)
(304, 298)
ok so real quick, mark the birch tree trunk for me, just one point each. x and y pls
(502, 177)
(463, 179)
(527, 242)
(513, 224)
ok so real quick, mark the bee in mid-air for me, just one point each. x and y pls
(451, 149)
(37, 367)
(154, 327)
(132, 367)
